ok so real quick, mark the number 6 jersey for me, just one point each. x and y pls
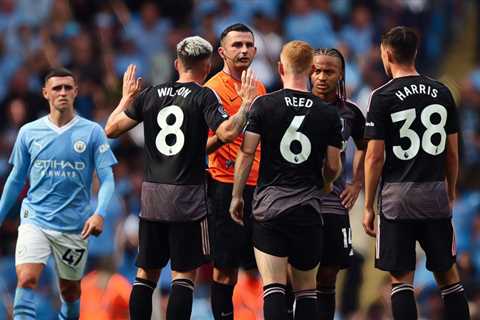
(413, 115)
(295, 128)
(176, 119)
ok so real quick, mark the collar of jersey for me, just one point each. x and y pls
(63, 128)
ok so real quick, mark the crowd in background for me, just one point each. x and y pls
(98, 39)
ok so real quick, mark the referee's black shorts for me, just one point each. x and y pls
(232, 245)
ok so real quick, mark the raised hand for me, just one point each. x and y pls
(131, 85)
(247, 91)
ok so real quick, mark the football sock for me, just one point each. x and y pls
(181, 299)
(222, 306)
(456, 305)
(403, 302)
(274, 302)
(140, 304)
(306, 305)
(69, 310)
(290, 297)
(24, 304)
(326, 302)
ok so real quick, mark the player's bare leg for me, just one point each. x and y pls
(326, 279)
(24, 303)
(140, 303)
(70, 292)
(274, 276)
(456, 305)
(181, 296)
(403, 296)
(304, 284)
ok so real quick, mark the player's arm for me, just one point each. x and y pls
(374, 161)
(452, 166)
(12, 188)
(231, 128)
(350, 194)
(118, 122)
(20, 159)
(332, 166)
(94, 224)
(243, 165)
(213, 143)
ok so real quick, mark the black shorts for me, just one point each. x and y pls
(296, 234)
(396, 239)
(185, 243)
(337, 239)
(232, 245)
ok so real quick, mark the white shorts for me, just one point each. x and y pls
(35, 245)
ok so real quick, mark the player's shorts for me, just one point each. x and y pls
(296, 234)
(231, 243)
(35, 245)
(396, 240)
(337, 238)
(186, 244)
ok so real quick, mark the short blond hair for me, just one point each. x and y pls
(297, 57)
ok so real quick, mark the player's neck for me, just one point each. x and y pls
(294, 82)
(234, 73)
(329, 98)
(399, 71)
(191, 77)
(61, 118)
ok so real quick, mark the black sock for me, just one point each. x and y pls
(222, 306)
(456, 305)
(290, 297)
(181, 298)
(326, 302)
(140, 304)
(306, 305)
(403, 302)
(274, 302)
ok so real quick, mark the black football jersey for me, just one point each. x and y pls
(353, 125)
(413, 115)
(176, 119)
(295, 127)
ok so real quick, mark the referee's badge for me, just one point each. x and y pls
(79, 146)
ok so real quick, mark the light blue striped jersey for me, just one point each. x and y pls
(60, 163)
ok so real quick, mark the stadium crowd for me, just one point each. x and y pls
(97, 40)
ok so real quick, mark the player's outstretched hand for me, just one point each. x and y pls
(350, 194)
(131, 85)
(236, 210)
(93, 226)
(369, 221)
(247, 91)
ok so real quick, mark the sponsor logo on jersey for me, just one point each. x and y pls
(79, 146)
(104, 147)
(370, 124)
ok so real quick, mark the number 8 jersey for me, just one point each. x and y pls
(176, 119)
(413, 115)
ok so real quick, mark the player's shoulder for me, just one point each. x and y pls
(437, 83)
(385, 88)
(38, 124)
(216, 81)
(269, 98)
(354, 107)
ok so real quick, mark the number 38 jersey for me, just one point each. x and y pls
(295, 128)
(413, 115)
(176, 119)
